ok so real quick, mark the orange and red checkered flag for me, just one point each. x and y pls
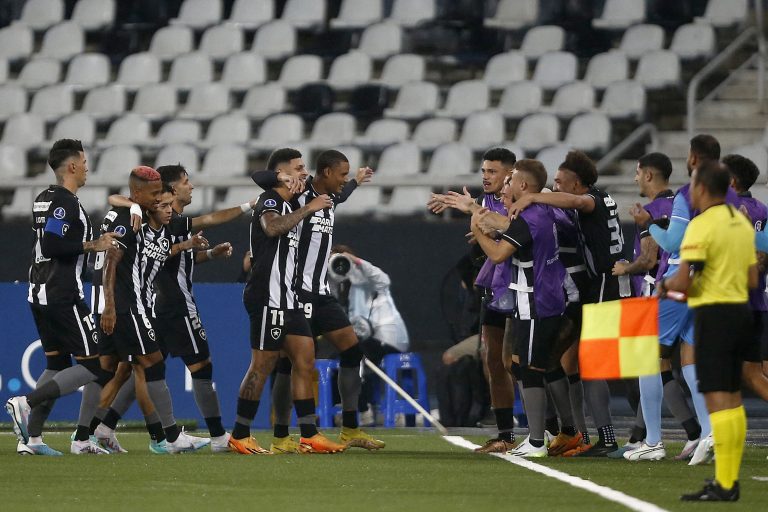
(620, 339)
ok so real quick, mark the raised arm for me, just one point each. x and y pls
(583, 203)
(275, 224)
(222, 216)
(671, 238)
(197, 242)
(271, 179)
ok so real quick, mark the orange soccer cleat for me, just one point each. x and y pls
(247, 446)
(318, 443)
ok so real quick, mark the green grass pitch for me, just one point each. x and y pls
(418, 471)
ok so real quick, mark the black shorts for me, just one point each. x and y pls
(535, 341)
(323, 312)
(603, 288)
(723, 334)
(134, 335)
(67, 329)
(493, 318)
(754, 353)
(182, 336)
(270, 326)
(764, 340)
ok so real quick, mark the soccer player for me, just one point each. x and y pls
(325, 315)
(718, 265)
(123, 296)
(602, 243)
(650, 264)
(63, 239)
(538, 277)
(497, 164)
(276, 316)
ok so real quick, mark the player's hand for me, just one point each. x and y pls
(619, 268)
(321, 202)
(471, 240)
(641, 215)
(436, 203)
(294, 184)
(198, 242)
(108, 319)
(364, 175)
(222, 251)
(136, 217)
(462, 202)
(486, 221)
(518, 206)
(106, 242)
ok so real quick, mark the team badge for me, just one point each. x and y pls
(275, 333)
(151, 334)
(203, 335)
(270, 203)
(95, 337)
(64, 229)
(59, 213)
(165, 244)
(120, 230)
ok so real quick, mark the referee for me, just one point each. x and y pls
(718, 267)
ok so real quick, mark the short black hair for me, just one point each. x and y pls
(172, 173)
(742, 169)
(282, 156)
(329, 159)
(62, 150)
(658, 161)
(535, 169)
(714, 176)
(583, 166)
(503, 155)
(167, 187)
(705, 147)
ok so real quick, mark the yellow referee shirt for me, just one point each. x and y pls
(724, 240)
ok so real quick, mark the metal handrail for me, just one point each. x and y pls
(629, 141)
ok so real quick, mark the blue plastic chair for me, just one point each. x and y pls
(326, 409)
(405, 369)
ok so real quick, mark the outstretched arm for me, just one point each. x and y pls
(275, 224)
(671, 238)
(584, 203)
(222, 216)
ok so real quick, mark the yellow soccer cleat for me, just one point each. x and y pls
(286, 446)
(318, 443)
(247, 446)
(356, 438)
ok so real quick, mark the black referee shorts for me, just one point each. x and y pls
(723, 336)
(182, 335)
(535, 341)
(323, 312)
(67, 328)
(270, 326)
(134, 335)
(754, 353)
(493, 318)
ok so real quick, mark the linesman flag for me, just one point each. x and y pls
(620, 339)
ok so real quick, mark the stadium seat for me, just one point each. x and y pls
(464, 98)
(520, 99)
(94, 199)
(407, 200)
(381, 41)
(313, 100)
(326, 410)
(106, 102)
(355, 157)
(13, 163)
(264, 100)
(304, 14)
(350, 70)
(357, 14)
(434, 132)
(242, 70)
(505, 68)
(542, 39)
(383, 132)
(572, 99)
(205, 102)
(42, 14)
(537, 131)
(482, 129)
(411, 13)
(278, 130)
(551, 158)
(514, 14)
(400, 159)
(183, 154)
(171, 41)
(363, 201)
(694, 41)
(221, 41)
(155, 101)
(620, 14)
(238, 195)
(407, 370)
(368, 101)
(88, 70)
(117, 162)
(275, 40)
(62, 41)
(450, 159)
(178, 131)
(22, 196)
(52, 102)
(38, 73)
(516, 150)
(13, 100)
(605, 68)
(624, 99)
(139, 69)
(333, 129)
(724, 13)
(589, 132)
(658, 70)
(401, 69)
(94, 15)
(231, 128)
(127, 130)
(24, 130)
(16, 41)
(554, 69)
(79, 126)
(251, 14)
(414, 101)
(641, 39)
(300, 70)
(3, 71)
(758, 154)
(225, 161)
(198, 14)
(191, 69)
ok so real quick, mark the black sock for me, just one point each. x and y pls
(505, 420)
(607, 435)
(585, 436)
(246, 411)
(349, 419)
(111, 419)
(305, 415)
(638, 434)
(537, 443)
(552, 425)
(156, 432)
(94, 423)
(569, 430)
(215, 427)
(81, 434)
(692, 428)
(280, 431)
(172, 433)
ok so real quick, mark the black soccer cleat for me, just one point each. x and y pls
(599, 449)
(712, 491)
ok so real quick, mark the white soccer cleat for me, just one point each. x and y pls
(220, 444)
(37, 449)
(548, 438)
(106, 438)
(18, 409)
(704, 452)
(646, 452)
(187, 443)
(23, 449)
(88, 447)
(527, 450)
(688, 449)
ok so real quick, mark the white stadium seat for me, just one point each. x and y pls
(505, 68)
(231, 128)
(589, 132)
(300, 70)
(42, 14)
(52, 102)
(383, 132)
(482, 129)
(251, 14)
(605, 68)
(191, 69)
(414, 100)
(451, 159)
(724, 13)
(104, 102)
(171, 41)
(434, 132)
(572, 99)
(658, 70)
(88, 70)
(264, 100)
(94, 15)
(206, 101)
(139, 69)
(304, 14)
(514, 14)
(357, 14)
(278, 130)
(199, 14)
(350, 70)
(520, 99)
(554, 69)
(117, 162)
(537, 131)
(16, 41)
(624, 99)
(63, 41)
(620, 14)
(542, 39)
(694, 41)
(242, 70)
(13, 100)
(410, 13)
(275, 40)
(225, 161)
(25, 130)
(381, 41)
(179, 154)
(464, 98)
(400, 159)
(641, 39)
(178, 131)
(401, 69)
(156, 101)
(38, 73)
(221, 41)
(333, 129)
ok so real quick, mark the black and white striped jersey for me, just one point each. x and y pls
(61, 225)
(272, 280)
(600, 234)
(173, 285)
(315, 241)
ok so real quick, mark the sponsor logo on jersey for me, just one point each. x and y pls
(275, 333)
(112, 215)
(321, 225)
(270, 203)
(64, 229)
(158, 251)
(59, 213)
(41, 206)
(120, 230)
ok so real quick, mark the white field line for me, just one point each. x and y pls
(602, 491)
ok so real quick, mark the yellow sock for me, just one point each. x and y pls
(729, 429)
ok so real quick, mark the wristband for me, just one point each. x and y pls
(136, 210)
(209, 253)
(246, 207)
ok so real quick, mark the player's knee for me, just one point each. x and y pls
(284, 366)
(532, 378)
(155, 372)
(351, 357)
(204, 373)
(92, 365)
(555, 375)
(104, 376)
(58, 362)
(666, 351)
